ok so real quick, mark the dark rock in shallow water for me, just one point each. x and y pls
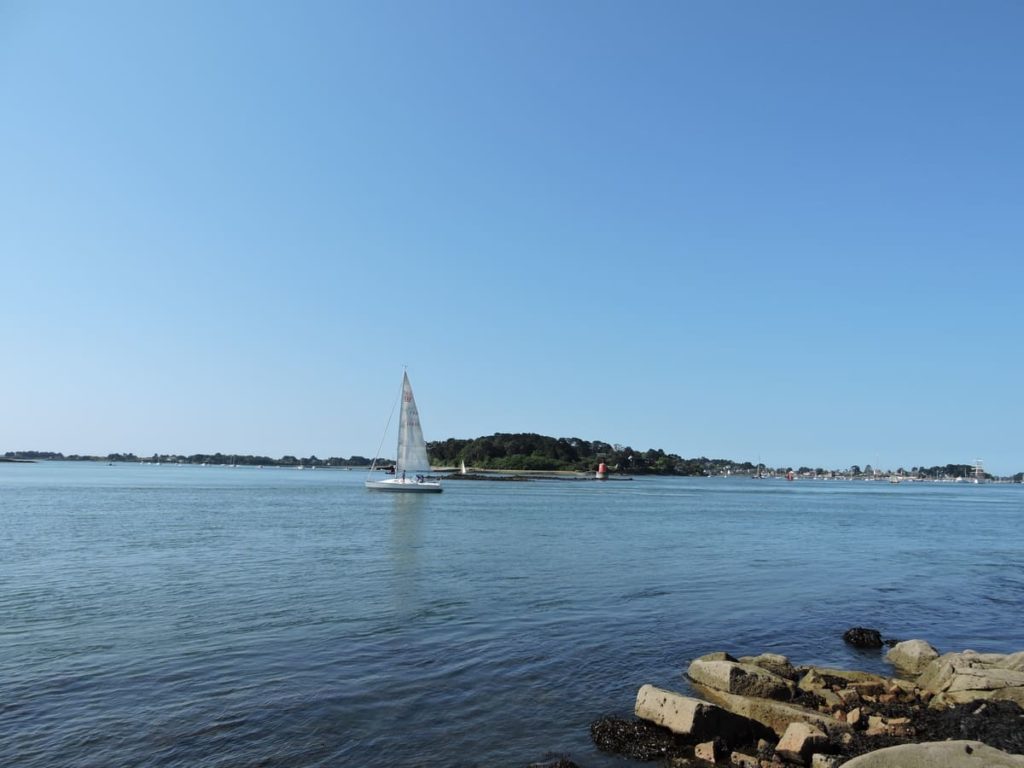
(862, 637)
(636, 739)
(559, 762)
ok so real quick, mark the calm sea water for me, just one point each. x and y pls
(210, 616)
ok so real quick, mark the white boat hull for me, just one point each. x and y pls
(404, 485)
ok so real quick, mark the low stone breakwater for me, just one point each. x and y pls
(949, 710)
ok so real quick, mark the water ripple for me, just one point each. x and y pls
(230, 617)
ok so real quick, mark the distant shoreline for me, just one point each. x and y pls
(959, 473)
(481, 473)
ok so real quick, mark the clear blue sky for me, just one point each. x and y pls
(786, 230)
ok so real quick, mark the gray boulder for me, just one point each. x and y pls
(850, 686)
(799, 742)
(776, 715)
(1015, 694)
(692, 717)
(1014, 661)
(956, 678)
(938, 754)
(716, 656)
(818, 677)
(741, 679)
(775, 663)
(911, 656)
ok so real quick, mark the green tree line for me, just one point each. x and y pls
(539, 452)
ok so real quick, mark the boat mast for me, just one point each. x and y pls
(402, 419)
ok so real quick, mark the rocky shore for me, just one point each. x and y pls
(949, 710)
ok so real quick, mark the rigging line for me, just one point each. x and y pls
(387, 426)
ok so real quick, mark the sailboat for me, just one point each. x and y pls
(412, 459)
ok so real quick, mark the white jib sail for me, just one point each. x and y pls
(412, 449)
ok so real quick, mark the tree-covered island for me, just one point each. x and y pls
(528, 451)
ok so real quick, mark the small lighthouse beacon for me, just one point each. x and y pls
(602, 472)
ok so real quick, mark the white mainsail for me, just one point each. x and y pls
(412, 449)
